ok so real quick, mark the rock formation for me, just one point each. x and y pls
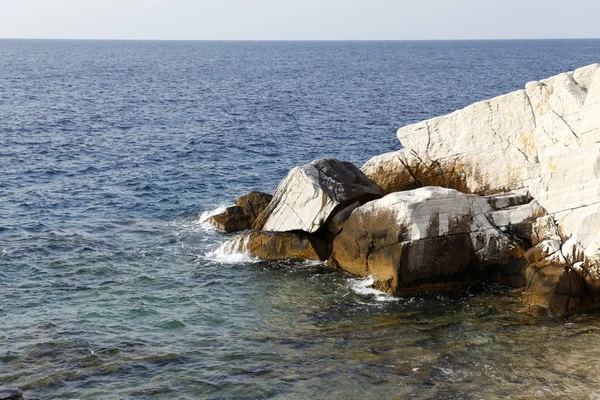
(241, 216)
(545, 138)
(435, 239)
(506, 190)
(308, 198)
(309, 207)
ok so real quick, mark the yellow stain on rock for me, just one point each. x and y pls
(526, 143)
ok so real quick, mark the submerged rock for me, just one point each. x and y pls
(241, 216)
(277, 246)
(560, 290)
(10, 393)
(308, 198)
(427, 239)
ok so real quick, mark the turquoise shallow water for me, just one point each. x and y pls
(110, 152)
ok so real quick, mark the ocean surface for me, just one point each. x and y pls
(111, 153)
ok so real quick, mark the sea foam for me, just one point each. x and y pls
(231, 252)
(364, 287)
(203, 219)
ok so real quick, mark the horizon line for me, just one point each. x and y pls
(303, 40)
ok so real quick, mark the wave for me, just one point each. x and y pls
(363, 287)
(232, 252)
(203, 220)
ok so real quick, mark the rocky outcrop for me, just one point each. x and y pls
(434, 238)
(502, 144)
(506, 190)
(558, 292)
(545, 138)
(308, 198)
(241, 216)
(277, 246)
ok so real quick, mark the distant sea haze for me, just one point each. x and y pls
(110, 286)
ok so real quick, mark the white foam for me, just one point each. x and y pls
(363, 288)
(202, 222)
(231, 252)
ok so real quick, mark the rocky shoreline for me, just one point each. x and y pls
(505, 190)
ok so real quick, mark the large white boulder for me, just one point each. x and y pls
(545, 138)
(434, 238)
(309, 197)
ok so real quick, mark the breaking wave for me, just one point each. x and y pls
(363, 287)
(232, 251)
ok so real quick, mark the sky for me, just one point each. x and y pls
(299, 19)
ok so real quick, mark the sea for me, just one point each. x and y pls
(112, 154)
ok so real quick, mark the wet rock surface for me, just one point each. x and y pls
(544, 138)
(558, 283)
(560, 291)
(278, 246)
(241, 216)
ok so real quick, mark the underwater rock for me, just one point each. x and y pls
(308, 198)
(10, 393)
(241, 216)
(560, 290)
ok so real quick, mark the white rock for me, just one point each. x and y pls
(572, 251)
(425, 212)
(428, 238)
(310, 195)
(545, 139)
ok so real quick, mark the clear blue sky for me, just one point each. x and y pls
(299, 19)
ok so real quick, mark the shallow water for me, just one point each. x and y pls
(110, 153)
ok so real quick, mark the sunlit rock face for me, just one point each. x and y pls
(436, 239)
(544, 138)
(309, 197)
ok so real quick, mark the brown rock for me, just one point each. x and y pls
(559, 290)
(404, 170)
(241, 216)
(546, 253)
(232, 220)
(278, 246)
(253, 203)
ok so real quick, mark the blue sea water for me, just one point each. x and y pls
(110, 153)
